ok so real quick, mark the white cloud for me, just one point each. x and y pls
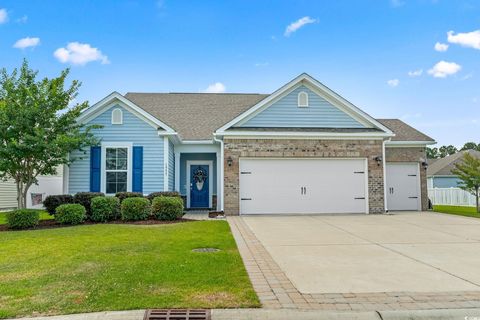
(415, 73)
(261, 64)
(80, 54)
(397, 3)
(26, 42)
(443, 69)
(467, 39)
(216, 87)
(294, 26)
(3, 16)
(441, 47)
(23, 19)
(393, 82)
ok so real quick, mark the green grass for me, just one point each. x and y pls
(43, 216)
(119, 267)
(458, 210)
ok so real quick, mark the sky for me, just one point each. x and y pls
(417, 60)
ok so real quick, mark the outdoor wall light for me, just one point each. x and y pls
(229, 161)
(424, 163)
(378, 159)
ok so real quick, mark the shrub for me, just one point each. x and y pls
(71, 213)
(105, 209)
(124, 195)
(23, 218)
(153, 195)
(52, 202)
(134, 209)
(85, 198)
(167, 208)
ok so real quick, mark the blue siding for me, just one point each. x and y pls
(197, 156)
(132, 130)
(286, 113)
(171, 166)
(445, 182)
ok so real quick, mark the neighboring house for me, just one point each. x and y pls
(302, 149)
(439, 172)
(47, 185)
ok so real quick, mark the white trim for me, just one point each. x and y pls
(367, 191)
(401, 144)
(177, 171)
(220, 175)
(165, 163)
(197, 142)
(121, 116)
(303, 105)
(66, 177)
(326, 93)
(116, 98)
(210, 183)
(103, 173)
(384, 164)
(334, 135)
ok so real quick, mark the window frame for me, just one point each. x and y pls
(116, 145)
(121, 116)
(307, 99)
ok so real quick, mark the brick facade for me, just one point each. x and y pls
(302, 148)
(411, 154)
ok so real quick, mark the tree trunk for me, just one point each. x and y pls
(20, 196)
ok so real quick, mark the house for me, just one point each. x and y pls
(302, 149)
(439, 172)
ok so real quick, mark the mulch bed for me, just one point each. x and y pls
(52, 224)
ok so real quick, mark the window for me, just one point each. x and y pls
(117, 116)
(116, 169)
(303, 99)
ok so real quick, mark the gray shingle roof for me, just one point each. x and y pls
(444, 166)
(196, 116)
(404, 132)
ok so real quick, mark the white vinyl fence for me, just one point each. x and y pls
(451, 196)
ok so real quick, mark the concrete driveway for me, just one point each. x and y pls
(414, 252)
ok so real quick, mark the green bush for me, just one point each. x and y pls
(73, 213)
(105, 209)
(124, 195)
(133, 209)
(23, 218)
(153, 195)
(53, 201)
(167, 208)
(85, 199)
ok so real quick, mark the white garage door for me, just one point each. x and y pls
(403, 186)
(303, 186)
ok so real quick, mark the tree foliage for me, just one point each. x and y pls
(443, 151)
(468, 171)
(38, 127)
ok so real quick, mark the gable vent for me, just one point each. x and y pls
(117, 116)
(303, 99)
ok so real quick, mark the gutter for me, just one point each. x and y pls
(221, 187)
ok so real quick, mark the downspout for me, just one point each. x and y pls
(385, 204)
(221, 171)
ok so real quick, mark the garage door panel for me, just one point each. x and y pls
(403, 186)
(296, 186)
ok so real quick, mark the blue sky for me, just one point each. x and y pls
(364, 50)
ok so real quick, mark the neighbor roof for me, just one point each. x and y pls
(196, 116)
(444, 166)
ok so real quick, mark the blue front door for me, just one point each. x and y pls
(199, 180)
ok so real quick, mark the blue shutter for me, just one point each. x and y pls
(137, 176)
(95, 164)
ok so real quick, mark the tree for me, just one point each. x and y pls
(471, 146)
(432, 153)
(38, 129)
(468, 171)
(447, 150)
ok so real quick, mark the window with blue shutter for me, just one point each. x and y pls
(95, 165)
(137, 175)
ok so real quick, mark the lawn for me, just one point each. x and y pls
(458, 210)
(43, 216)
(120, 267)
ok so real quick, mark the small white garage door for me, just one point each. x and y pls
(303, 186)
(403, 186)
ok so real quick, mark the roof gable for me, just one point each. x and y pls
(444, 166)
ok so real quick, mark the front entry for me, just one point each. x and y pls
(199, 185)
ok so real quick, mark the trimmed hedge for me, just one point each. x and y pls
(105, 209)
(167, 208)
(85, 198)
(124, 195)
(23, 218)
(53, 201)
(153, 195)
(73, 213)
(134, 209)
